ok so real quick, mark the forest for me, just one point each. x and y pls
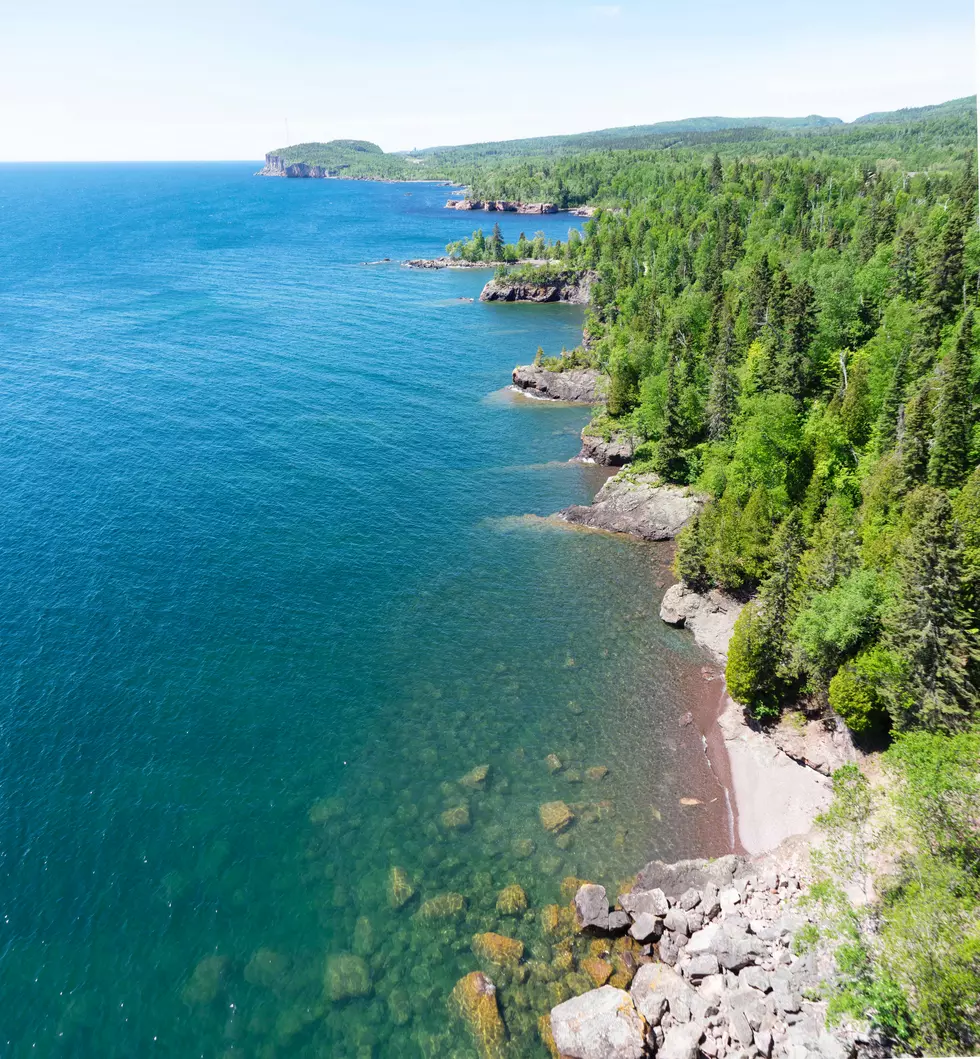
(790, 326)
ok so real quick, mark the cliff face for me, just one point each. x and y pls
(571, 287)
(275, 166)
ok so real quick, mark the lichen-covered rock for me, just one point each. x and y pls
(474, 998)
(640, 505)
(476, 778)
(600, 1024)
(512, 900)
(400, 890)
(555, 816)
(681, 1042)
(346, 976)
(205, 983)
(457, 818)
(499, 949)
(550, 919)
(599, 970)
(444, 906)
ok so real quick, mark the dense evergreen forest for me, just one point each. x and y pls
(790, 325)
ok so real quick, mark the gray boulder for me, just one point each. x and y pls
(647, 927)
(640, 505)
(709, 876)
(656, 985)
(681, 1042)
(592, 908)
(615, 452)
(600, 1024)
(651, 901)
(710, 617)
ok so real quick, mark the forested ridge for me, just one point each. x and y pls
(791, 326)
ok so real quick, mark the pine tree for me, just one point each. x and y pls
(949, 459)
(928, 631)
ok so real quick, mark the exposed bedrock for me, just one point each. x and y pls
(579, 384)
(641, 505)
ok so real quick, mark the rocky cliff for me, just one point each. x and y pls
(501, 206)
(641, 505)
(570, 287)
(580, 384)
(277, 167)
(617, 451)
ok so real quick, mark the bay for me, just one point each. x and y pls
(269, 592)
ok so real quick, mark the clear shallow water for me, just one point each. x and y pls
(259, 550)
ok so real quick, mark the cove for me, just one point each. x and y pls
(269, 596)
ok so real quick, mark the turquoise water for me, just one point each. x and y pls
(267, 596)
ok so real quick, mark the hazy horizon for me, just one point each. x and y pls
(215, 80)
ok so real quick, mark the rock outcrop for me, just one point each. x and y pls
(616, 452)
(710, 616)
(276, 166)
(501, 206)
(817, 744)
(579, 384)
(640, 505)
(723, 981)
(601, 1024)
(570, 287)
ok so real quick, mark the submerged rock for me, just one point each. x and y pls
(596, 773)
(444, 906)
(512, 900)
(326, 809)
(599, 970)
(555, 816)
(600, 1024)
(641, 505)
(400, 890)
(266, 968)
(554, 763)
(346, 976)
(476, 778)
(205, 983)
(474, 997)
(457, 818)
(499, 949)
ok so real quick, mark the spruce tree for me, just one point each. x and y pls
(913, 437)
(667, 460)
(717, 175)
(496, 243)
(792, 366)
(944, 269)
(722, 388)
(949, 459)
(759, 294)
(886, 427)
(928, 630)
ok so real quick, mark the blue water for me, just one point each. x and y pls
(262, 545)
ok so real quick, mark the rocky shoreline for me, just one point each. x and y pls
(513, 206)
(570, 287)
(455, 262)
(580, 385)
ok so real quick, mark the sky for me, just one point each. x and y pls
(231, 79)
